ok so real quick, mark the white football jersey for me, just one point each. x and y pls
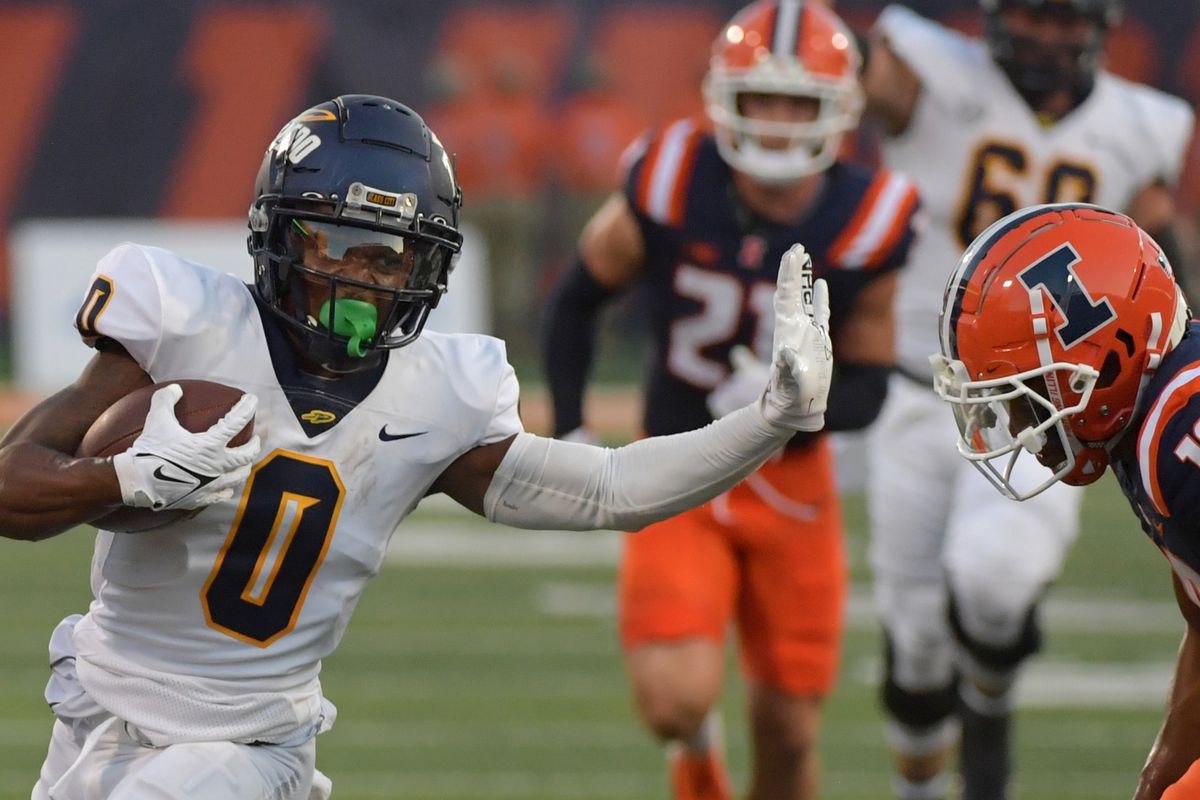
(977, 151)
(214, 628)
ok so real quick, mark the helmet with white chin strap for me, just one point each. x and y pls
(783, 47)
(1053, 323)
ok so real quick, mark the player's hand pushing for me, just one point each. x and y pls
(168, 466)
(802, 356)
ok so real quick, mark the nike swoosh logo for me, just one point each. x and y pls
(384, 436)
(201, 480)
(162, 476)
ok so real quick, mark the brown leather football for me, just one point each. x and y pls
(202, 405)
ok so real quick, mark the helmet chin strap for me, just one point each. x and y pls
(357, 320)
(777, 167)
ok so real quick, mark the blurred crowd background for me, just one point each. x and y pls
(138, 108)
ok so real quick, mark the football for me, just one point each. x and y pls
(202, 404)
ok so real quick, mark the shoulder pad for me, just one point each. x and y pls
(1168, 447)
(881, 228)
(658, 179)
(1165, 125)
(123, 303)
(474, 376)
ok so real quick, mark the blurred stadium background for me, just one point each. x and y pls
(483, 662)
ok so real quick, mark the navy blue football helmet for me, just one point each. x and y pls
(1036, 70)
(354, 228)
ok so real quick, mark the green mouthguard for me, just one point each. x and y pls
(354, 319)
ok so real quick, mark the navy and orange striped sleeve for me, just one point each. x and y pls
(882, 229)
(1168, 448)
(659, 173)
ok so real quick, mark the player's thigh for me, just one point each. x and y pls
(221, 771)
(1002, 554)
(791, 603)
(88, 758)
(66, 744)
(914, 471)
(912, 466)
(919, 643)
(677, 580)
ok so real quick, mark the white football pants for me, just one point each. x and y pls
(103, 758)
(935, 519)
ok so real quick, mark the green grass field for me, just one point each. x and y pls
(490, 680)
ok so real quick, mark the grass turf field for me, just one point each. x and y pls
(467, 675)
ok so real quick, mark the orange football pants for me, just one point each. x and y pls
(1187, 787)
(767, 554)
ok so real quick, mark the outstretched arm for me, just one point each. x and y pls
(533, 482)
(890, 85)
(547, 483)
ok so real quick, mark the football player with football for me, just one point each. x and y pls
(984, 127)
(702, 219)
(1066, 344)
(194, 673)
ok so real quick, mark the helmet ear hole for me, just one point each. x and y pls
(1126, 338)
(1110, 370)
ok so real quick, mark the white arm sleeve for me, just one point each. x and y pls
(548, 483)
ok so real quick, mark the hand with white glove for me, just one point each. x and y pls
(802, 357)
(744, 384)
(168, 466)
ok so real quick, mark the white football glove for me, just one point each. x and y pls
(802, 360)
(168, 466)
(744, 384)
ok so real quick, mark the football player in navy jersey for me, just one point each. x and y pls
(984, 126)
(1066, 339)
(703, 216)
(194, 674)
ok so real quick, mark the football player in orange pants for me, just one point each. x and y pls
(705, 212)
(1067, 344)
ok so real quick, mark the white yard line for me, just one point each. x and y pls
(450, 542)
(1047, 684)
(464, 544)
(1075, 614)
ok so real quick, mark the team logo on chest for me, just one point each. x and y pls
(318, 417)
(702, 254)
(754, 247)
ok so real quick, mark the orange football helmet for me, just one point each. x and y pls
(786, 47)
(1051, 326)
